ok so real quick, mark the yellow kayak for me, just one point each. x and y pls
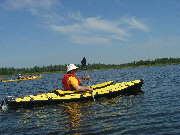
(24, 78)
(106, 89)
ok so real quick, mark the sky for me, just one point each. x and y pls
(55, 32)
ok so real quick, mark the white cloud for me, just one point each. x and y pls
(43, 9)
(71, 29)
(138, 24)
(86, 40)
(76, 16)
(97, 30)
(105, 26)
(19, 4)
(79, 30)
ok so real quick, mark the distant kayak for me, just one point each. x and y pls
(23, 78)
(3, 78)
(106, 89)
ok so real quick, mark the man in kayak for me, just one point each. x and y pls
(71, 82)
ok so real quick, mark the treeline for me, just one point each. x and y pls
(62, 68)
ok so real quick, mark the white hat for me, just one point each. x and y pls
(71, 67)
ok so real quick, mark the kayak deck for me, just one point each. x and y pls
(58, 96)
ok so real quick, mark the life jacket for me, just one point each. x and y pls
(65, 83)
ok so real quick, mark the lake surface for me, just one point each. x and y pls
(156, 111)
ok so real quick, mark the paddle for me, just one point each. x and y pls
(83, 63)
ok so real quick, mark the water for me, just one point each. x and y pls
(156, 111)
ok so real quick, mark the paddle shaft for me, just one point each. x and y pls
(90, 85)
(83, 62)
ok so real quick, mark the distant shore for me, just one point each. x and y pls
(5, 72)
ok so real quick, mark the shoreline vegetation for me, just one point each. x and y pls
(10, 71)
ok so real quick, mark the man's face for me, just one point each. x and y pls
(74, 71)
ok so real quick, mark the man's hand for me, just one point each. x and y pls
(91, 89)
(86, 77)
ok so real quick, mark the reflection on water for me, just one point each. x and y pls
(77, 116)
(75, 113)
(69, 114)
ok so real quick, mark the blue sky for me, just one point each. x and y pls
(53, 32)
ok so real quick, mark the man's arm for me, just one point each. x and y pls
(82, 88)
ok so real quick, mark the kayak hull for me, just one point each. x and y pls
(107, 89)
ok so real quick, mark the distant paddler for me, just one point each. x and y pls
(20, 76)
(83, 63)
(71, 82)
